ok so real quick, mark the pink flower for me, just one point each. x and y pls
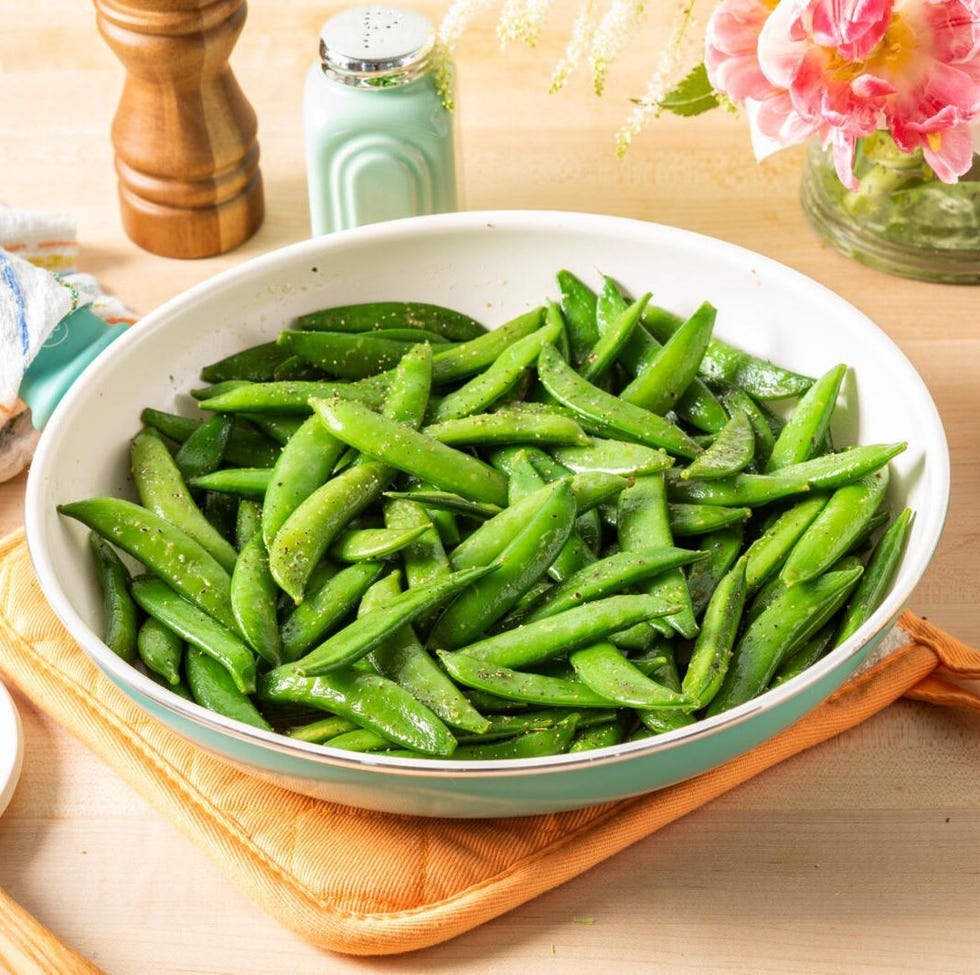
(842, 69)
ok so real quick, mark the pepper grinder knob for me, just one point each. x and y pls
(184, 134)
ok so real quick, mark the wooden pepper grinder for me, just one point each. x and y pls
(184, 134)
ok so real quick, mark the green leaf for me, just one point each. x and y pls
(692, 95)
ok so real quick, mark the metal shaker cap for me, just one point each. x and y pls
(376, 47)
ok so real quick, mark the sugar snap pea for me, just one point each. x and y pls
(523, 477)
(507, 427)
(663, 381)
(736, 400)
(598, 736)
(485, 544)
(643, 519)
(840, 521)
(248, 522)
(604, 668)
(697, 406)
(603, 414)
(403, 659)
(198, 629)
(360, 740)
(295, 368)
(794, 616)
(769, 550)
(369, 544)
(256, 363)
(532, 688)
(578, 305)
(568, 630)
(162, 488)
(366, 632)
(277, 428)
(522, 562)
(425, 558)
(410, 389)
(447, 501)
(613, 574)
(877, 576)
(324, 607)
(808, 654)
(368, 699)
(183, 563)
(345, 355)
(307, 533)
(532, 744)
(161, 650)
(470, 357)
(203, 451)
(724, 362)
(214, 688)
(383, 316)
(729, 453)
(719, 550)
(322, 729)
(488, 386)
(809, 422)
(254, 598)
(699, 519)
(416, 335)
(304, 465)
(245, 482)
(293, 396)
(716, 639)
(120, 627)
(613, 457)
(411, 451)
(524, 484)
(591, 488)
(741, 490)
(608, 346)
(246, 446)
(844, 467)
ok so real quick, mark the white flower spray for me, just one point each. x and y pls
(458, 17)
(597, 37)
(579, 44)
(619, 26)
(522, 20)
(676, 56)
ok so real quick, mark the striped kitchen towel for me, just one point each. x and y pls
(39, 284)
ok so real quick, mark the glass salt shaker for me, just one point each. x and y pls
(379, 136)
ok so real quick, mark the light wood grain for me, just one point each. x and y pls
(860, 856)
(29, 948)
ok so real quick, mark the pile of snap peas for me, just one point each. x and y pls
(394, 530)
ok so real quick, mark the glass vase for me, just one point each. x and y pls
(902, 219)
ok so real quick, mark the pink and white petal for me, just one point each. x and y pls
(868, 87)
(852, 27)
(842, 150)
(954, 155)
(730, 49)
(783, 43)
(951, 30)
(774, 124)
(739, 79)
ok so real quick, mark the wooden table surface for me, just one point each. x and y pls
(862, 855)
